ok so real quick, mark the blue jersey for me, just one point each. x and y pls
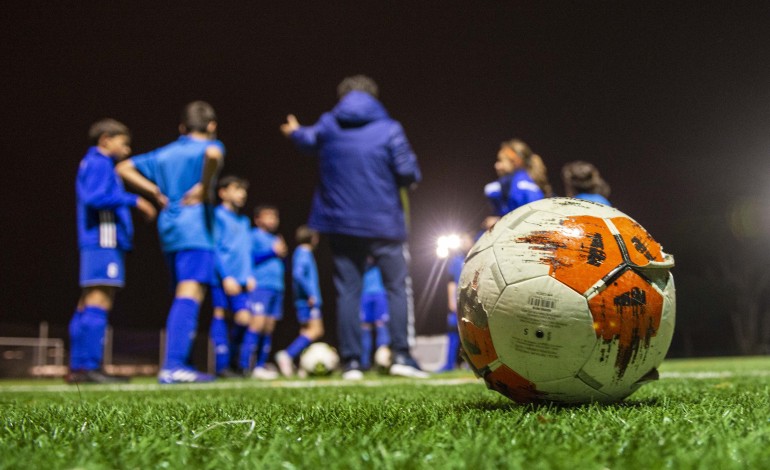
(512, 191)
(233, 244)
(103, 214)
(175, 169)
(373, 281)
(268, 266)
(593, 198)
(304, 274)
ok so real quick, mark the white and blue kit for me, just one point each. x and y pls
(105, 230)
(104, 235)
(304, 274)
(512, 191)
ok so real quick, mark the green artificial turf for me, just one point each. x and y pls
(701, 414)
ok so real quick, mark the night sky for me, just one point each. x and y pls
(672, 103)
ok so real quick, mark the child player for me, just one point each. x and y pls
(183, 172)
(374, 314)
(307, 299)
(454, 268)
(233, 248)
(267, 251)
(104, 236)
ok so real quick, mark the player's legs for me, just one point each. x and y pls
(102, 273)
(349, 255)
(192, 270)
(453, 342)
(366, 346)
(218, 329)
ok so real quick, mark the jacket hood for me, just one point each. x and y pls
(358, 108)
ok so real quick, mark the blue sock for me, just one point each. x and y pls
(93, 322)
(382, 334)
(366, 348)
(218, 334)
(237, 333)
(77, 357)
(298, 345)
(248, 347)
(264, 349)
(181, 325)
(452, 350)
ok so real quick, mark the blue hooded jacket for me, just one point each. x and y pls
(364, 159)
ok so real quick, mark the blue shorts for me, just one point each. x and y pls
(451, 321)
(374, 308)
(234, 303)
(305, 313)
(191, 265)
(267, 302)
(102, 267)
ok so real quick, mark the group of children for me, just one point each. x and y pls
(203, 247)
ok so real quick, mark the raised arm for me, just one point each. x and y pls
(203, 190)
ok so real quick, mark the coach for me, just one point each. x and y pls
(365, 160)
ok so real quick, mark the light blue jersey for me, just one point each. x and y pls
(233, 244)
(175, 169)
(373, 281)
(304, 274)
(268, 267)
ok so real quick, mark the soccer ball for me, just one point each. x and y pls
(567, 301)
(319, 359)
(383, 357)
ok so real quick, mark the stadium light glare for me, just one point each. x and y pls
(445, 244)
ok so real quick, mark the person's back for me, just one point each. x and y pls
(365, 164)
(364, 158)
(582, 180)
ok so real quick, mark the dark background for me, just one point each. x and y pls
(670, 102)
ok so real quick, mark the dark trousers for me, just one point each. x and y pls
(350, 254)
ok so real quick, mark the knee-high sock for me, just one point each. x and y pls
(366, 348)
(248, 347)
(382, 335)
(181, 326)
(93, 322)
(237, 333)
(298, 345)
(452, 350)
(218, 334)
(264, 349)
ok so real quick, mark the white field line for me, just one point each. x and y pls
(249, 384)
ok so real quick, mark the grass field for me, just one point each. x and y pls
(702, 414)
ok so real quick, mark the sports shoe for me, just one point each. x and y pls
(263, 374)
(285, 363)
(352, 371)
(93, 377)
(405, 366)
(183, 375)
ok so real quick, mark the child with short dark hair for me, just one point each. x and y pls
(181, 175)
(307, 299)
(105, 233)
(233, 248)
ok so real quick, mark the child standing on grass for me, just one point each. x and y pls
(233, 248)
(307, 299)
(374, 314)
(105, 233)
(268, 251)
(183, 173)
(454, 268)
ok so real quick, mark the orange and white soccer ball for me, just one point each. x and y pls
(568, 301)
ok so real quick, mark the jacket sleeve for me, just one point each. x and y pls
(306, 137)
(100, 190)
(403, 159)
